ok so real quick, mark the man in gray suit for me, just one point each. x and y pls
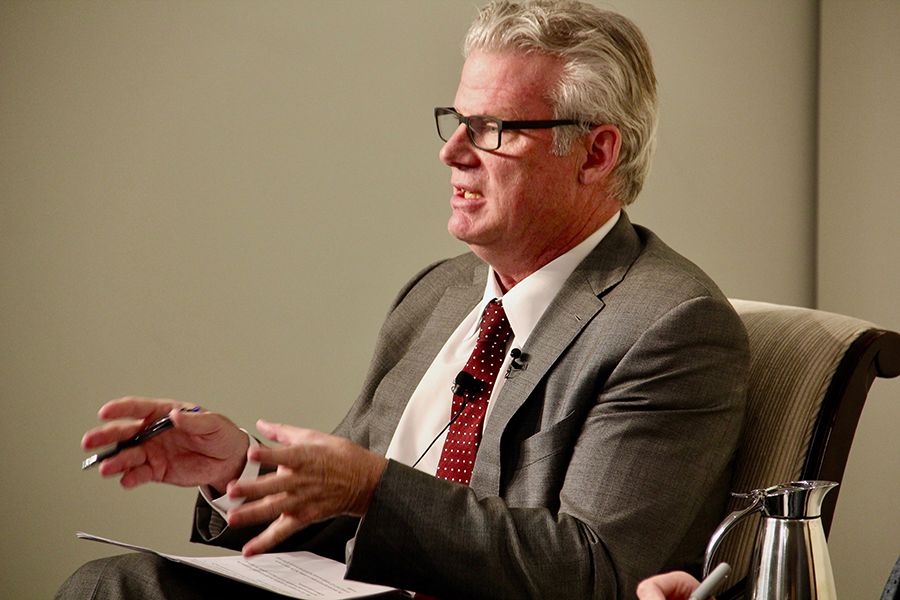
(605, 448)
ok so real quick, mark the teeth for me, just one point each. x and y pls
(468, 194)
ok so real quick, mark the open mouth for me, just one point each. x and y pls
(467, 194)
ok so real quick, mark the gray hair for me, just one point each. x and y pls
(607, 76)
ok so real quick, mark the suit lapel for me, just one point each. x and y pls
(576, 304)
(453, 306)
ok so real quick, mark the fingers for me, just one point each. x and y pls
(284, 492)
(137, 408)
(301, 448)
(137, 476)
(274, 483)
(110, 433)
(284, 527)
(265, 509)
(284, 434)
(676, 585)
(294, 457)
(136, 465)
(301, 506)
(133, 415)
(129, 458)
(650, 592)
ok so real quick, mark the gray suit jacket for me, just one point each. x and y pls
(606, 460)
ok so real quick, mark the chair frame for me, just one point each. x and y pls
(875, 353)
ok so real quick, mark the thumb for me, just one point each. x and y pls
(195, 421)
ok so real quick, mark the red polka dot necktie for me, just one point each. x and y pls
(470, 405)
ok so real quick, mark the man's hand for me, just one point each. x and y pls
(676, 585)
(319, 476)
(201, 448)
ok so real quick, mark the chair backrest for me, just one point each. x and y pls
(809, 376)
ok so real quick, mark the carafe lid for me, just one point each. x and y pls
(795, 500)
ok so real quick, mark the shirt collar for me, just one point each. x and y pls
(526, 302)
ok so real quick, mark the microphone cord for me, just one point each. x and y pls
(458, 387)
(466, 383)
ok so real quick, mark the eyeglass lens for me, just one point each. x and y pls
(483, 132)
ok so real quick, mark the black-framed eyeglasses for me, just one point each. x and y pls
(484, 132)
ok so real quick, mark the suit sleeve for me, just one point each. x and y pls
(642, 481)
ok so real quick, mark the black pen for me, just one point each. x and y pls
(155, 428)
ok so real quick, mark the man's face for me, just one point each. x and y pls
(520, 198)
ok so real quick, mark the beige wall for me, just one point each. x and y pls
(200, 198)
(859, 263)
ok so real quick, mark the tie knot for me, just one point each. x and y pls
(495, 327)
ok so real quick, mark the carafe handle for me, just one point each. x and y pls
(757, 496)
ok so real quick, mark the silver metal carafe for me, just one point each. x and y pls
(790, 559)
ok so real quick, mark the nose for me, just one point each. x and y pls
(458, 149)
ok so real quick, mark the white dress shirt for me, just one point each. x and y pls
(428, 412)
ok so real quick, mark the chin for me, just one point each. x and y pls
(459, 226)
(468, 230)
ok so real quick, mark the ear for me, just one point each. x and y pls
(602, 145)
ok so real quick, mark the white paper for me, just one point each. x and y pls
(301, 575)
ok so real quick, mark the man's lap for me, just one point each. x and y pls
(144, 575)
(150, 577)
